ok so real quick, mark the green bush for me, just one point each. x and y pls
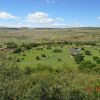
(59, 59)
(76, 95)
(86, 66)
(95, 58)
(37, 58)
(98, 61)
(97, 69)
(87, 52)
(18, 60)
(43, 55)
(11, 45)
(17, 50)
(57, 50)
(79, 58)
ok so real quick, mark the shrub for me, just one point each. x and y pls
(57, 50)
(43, 55)
(98, 61)
(86, 65)
(97, 69)
(49, 47)
(76, 95)
(11, 45)
(59, 59)
(28, 71)
(87, 52)
(17, 50)
(79, 58)
(95, 58)
(22, 58)
(18, 60)
(24, 54)
(37, 58)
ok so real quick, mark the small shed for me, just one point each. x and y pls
(74, 51)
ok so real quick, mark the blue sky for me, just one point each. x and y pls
(49, 13)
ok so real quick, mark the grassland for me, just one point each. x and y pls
(38, 35)
(43, 67)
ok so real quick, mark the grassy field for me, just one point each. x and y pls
(54, 59)
(38, 35)
(36, 64)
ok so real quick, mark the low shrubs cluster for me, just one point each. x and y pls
(11, 45)
(57, 50)
(79, 58)
(87, 52)
(45, 83)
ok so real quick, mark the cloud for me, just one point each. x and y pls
(5, 15)
(60, 19)
(39, 17)
(98, 18)
(35, 20)
(50, 1)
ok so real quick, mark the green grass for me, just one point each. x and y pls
(51, 58)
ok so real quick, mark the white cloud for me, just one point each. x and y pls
(39, 17)
(42, 19)
(98, 18)
(33, 20)
(50, 1)
(5, 15)
(60, 19)
(47, 1)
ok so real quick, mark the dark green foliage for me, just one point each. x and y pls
(18, 60)
(30, 45)
(24, 54)
(43, 55)
(13, 72)
(95, 58)
(98, 61)
(11, 45)
(17, 50)
(86, 66)
(49, 47)
(28, 71)
(22, 58)
(76, 95)
(59, 59)
(87, 52)
(79, 58)
(97, 69)
(37, 58)
(82, 48)
(57, 50)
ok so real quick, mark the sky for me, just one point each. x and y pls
(49, 13)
